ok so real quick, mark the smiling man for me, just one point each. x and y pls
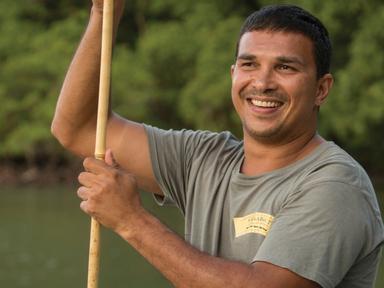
(277, 92)
(281, 208)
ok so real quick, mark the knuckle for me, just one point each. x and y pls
(109, 178)
(86, 162)
(99, 189)
(88, 207)
(114, 173)
(84, 206)
(105, 185)
(80, 177)
(81, 192)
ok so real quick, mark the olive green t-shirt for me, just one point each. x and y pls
(317, 217)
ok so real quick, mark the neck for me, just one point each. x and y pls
(260, 157)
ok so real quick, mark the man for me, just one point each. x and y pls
(282, 208)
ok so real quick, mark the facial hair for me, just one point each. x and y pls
(273, 95)
(253, 92)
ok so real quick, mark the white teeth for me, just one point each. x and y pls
(267, 104)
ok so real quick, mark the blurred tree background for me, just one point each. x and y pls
(171, 69)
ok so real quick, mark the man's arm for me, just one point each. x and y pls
(185, 266)
(109, 195)
(74, 123)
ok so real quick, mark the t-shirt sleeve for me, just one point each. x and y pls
(321, 232)
(181, 158)
(173, 153)
(169, 157)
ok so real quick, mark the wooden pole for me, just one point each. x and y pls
(102, 116)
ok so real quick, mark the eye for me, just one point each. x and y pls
(284, 67)
(247, 63)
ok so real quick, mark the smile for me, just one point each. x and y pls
(265, 104)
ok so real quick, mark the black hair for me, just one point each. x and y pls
(291, 18)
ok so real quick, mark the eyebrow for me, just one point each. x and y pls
(281, 59)
(246, 56)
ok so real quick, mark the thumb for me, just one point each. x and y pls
(110, 159)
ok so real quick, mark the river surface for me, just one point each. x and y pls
(44, 243)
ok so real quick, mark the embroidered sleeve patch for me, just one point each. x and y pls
(258, 223)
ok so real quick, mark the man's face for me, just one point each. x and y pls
(275, 89)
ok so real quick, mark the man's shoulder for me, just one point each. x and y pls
(335, 174)
(333, 164)
(194, 139)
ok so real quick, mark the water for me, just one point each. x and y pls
(44, 243)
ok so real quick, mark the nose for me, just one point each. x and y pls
(263, 80)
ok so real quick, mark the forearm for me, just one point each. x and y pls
(179, 262)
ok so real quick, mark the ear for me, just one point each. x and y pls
(232, 70)
(324, 86)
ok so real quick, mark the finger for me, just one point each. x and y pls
(110, 159)
(87, 179)
(83, 193)
(95, 166)
(88, 208)
(84, 206)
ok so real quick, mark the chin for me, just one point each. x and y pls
(265, 134)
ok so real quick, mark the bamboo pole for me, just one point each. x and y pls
(102, 116)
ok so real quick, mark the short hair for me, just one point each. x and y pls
(291, 18)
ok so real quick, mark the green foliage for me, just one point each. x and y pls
(171, 68)
(33, 64)
(207, 94)
(360, 84)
